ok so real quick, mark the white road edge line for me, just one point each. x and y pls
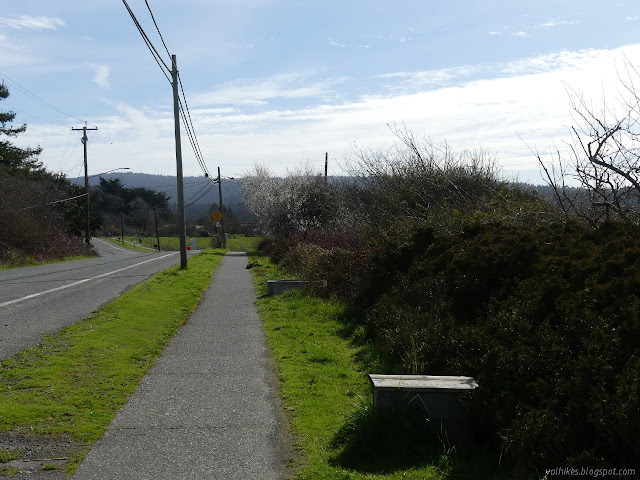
(33, 295)
(114, 246)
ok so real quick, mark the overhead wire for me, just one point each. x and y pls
(188, 122)
(194, 143)
(157, 28)
(208, 189)
(182, 99)
(149, 44)
(54, 202)
(35, 97)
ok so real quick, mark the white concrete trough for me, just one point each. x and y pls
(433, 397)
(278, 287)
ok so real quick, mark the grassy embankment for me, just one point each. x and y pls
(73, 382)
(322, 368)
(166, 243)
(30, 261)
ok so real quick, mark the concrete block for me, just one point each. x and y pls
(278, 287)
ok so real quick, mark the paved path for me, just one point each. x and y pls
(208, 408)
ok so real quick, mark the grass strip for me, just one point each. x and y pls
(322, 370)
(29, 261)
(236, 243)
(75, 380)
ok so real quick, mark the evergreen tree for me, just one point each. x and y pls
(15, 160)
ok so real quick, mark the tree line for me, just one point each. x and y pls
(40, 211)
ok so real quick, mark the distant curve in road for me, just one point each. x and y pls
(38, 300)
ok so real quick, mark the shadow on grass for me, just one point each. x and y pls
(257, 253)
(387, 441)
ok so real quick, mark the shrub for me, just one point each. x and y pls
(302, 259)
(547, 319)
(29, 226)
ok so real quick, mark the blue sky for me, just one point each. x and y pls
(281, 82)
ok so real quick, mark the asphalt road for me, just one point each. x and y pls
(35, 301)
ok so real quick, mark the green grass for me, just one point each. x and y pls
(29, 261)
(8, 454)
(238, 243)
(8, 472)
(74, 381)
(322, 367)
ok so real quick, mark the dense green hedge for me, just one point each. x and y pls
(546, 318)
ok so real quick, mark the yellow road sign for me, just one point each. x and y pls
(217, 215)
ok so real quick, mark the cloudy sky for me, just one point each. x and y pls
(281, 82)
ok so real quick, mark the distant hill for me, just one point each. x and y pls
(200, 194)
(198, 191)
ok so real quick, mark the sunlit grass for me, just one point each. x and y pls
(236, 243)
(322, 370)
(75, 380)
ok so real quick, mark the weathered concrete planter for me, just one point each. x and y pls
(430, 396)
(278, 287)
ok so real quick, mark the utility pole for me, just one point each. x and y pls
(121, 228)
(326, 165)
(182, 229)
(155, 217)
(84, 141)
(222, 237)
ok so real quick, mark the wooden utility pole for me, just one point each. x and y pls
(84, 141)
(155, 217)
(182, 228)
(326, 165)
(222, 237)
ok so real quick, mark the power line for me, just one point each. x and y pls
(157, 29)
(147, 41)
(35, 97)
(184, 109)
(173, 185)
(195, 144)
(57, 201)
(208, 189)
(9, 104)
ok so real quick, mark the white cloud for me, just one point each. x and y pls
(32, 23)
(468, 106)
(520, 34)
(527, 97)
(101, 77)
(495, 33)
(259, 92)
(334, 43)
(557, 23)
(632, 19)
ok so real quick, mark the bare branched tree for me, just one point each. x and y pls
(599, 177)
(420, 182)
